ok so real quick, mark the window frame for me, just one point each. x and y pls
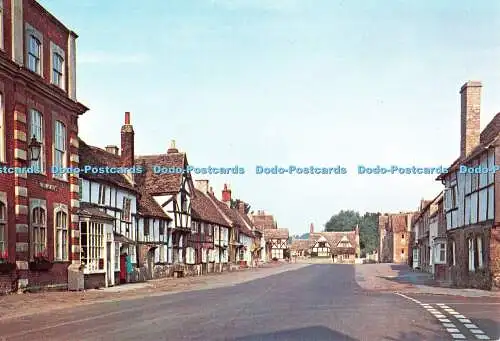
(61, 246)
(101, 196)
(471, 253)
(146, 223)
(38, 246)
(93, 250)
(60, 147)
(31, 34)
(41, 138)
(56, 51)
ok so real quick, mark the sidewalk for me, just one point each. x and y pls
(18, 305)
(400, 277)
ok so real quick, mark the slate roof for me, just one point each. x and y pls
(94, 156)
(276, 234)
(162, 183)
(204, 209)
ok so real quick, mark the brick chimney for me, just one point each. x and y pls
(127, 139)
(241, 207)
(201, 185)
(311, 228)
(470, 112)
(172, 149)
(211, 190)
(226, 195)
(112, 149)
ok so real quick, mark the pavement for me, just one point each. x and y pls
(289, 302)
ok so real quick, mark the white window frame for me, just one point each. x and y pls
(479, 242)
(60, 149)
(38, 228)
(101, 199)
(3, 222)
(471, 242)
(94, 247)
(36, 128)
(56, 51)
(61, 233)
(32, 33)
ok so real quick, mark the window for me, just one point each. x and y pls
(242, 254)
(60, 148)
(2, 131)
(61, 237)
(440, 253)
(403, 236)
(162, 227)
(402, 251)
(80, 189)
(36, 130)
(479, 241)
(471, 254)
(39, 230)
(146, 226)
(126, 209)
(92, 240)
(57, 69)
(34, 54)
(102, 195)
(184, 202)
(3, 227)
(117, 256)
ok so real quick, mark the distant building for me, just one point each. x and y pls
(394, 233)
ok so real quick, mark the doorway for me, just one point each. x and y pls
(151, 262)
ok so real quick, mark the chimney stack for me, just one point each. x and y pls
(226, 195)
(112, 149)
(311, 228)
(211, 190)
(241, 207)
(172, 149)
(470, 95)
(127, 140)
(201, 185)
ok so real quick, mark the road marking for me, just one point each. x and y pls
(450, 327)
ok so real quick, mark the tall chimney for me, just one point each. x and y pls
(226, 195)
(311, 228)
(201, 185)
(470, 94)
(127, 140)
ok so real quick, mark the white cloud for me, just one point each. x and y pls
(102, 57)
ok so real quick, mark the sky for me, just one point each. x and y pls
(277, 82)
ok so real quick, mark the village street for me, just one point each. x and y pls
(291, 302)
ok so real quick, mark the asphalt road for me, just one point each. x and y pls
(318, 302)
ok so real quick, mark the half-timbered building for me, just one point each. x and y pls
(276, 243)
(107, 213)
(167, 180)
(471, 197)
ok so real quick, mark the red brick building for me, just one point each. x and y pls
(394, 234)
(38, 98)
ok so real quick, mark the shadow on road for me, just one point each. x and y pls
(313, 333)
(404, 274)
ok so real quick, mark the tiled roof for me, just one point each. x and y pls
(244, 223)
(300, 244)
(148, 207)
(93, 156)
(88, 210)
(333, 239)
(162, 183)
(233, 215)
(263, 221)
(204, 209)
(276, 234)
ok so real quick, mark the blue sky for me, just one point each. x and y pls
(276, 82)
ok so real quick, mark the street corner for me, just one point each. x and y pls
(464, 318)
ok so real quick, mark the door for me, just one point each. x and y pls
(151, 262)
(123, 269)
(415, 258)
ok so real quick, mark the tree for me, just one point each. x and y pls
(368, 227)
(235, 203)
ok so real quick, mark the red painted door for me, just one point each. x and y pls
(123, 269)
